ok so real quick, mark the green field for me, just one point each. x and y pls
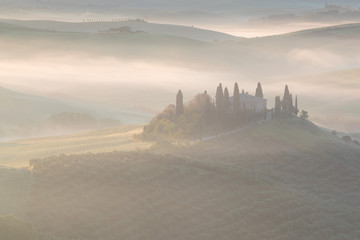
(18, 153)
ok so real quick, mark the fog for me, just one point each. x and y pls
(141, 72)
(127, 72)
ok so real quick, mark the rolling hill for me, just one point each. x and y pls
(338, 31)
(22, 115)
(135, 25)
(17, 153)
(284, 179)
(242, 6)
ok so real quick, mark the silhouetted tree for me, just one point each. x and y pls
(226, 101)
(304, 115)
(179, 105)
(286, 102)
(208, 115)
(296, 109)
(277, 105)
(259, 92)
(236, 103)
(219, 98)
(347, 138)
(226, 110)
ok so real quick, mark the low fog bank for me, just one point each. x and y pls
(27, 115)
(146, 88)
(143, 72)
(56, 125)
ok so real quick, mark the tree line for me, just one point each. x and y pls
(203, 115)
(286, 107)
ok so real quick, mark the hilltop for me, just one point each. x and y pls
(283, 179)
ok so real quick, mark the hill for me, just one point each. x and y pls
(338, 31)
(245, 7)
(284, 179)
(135, 25)
(17, 153)
(25, 115)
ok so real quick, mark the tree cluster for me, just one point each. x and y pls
(203, 115)
(286, 106)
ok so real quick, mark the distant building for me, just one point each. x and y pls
(250, 103)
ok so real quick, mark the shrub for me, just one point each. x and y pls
(347, 138)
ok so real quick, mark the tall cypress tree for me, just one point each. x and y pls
(259, 92)
(286, 102)
(219, 99)
(226, 109)
(226, 101)
(277, 105)
(236, 103)
(286, 93)
(296, 110)
(179, 110)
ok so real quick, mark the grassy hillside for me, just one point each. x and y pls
(18, 153)
(153, 28)
(127, 46)
(339, 31)
(285, 179)
(15, 186)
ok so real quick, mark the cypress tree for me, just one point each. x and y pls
(179, 110)
(277, 105)
(259, 92)
(226, 109)
(236, 103)
(286, 102)
(296, 110)
(219, 99)
(226, 101)
(208, 109)
(286, 92)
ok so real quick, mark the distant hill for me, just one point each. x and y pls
(329, 13)
(338, 31)
(240, 6)
(22, 113)
(135, 25)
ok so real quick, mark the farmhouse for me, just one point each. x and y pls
(250, 103)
